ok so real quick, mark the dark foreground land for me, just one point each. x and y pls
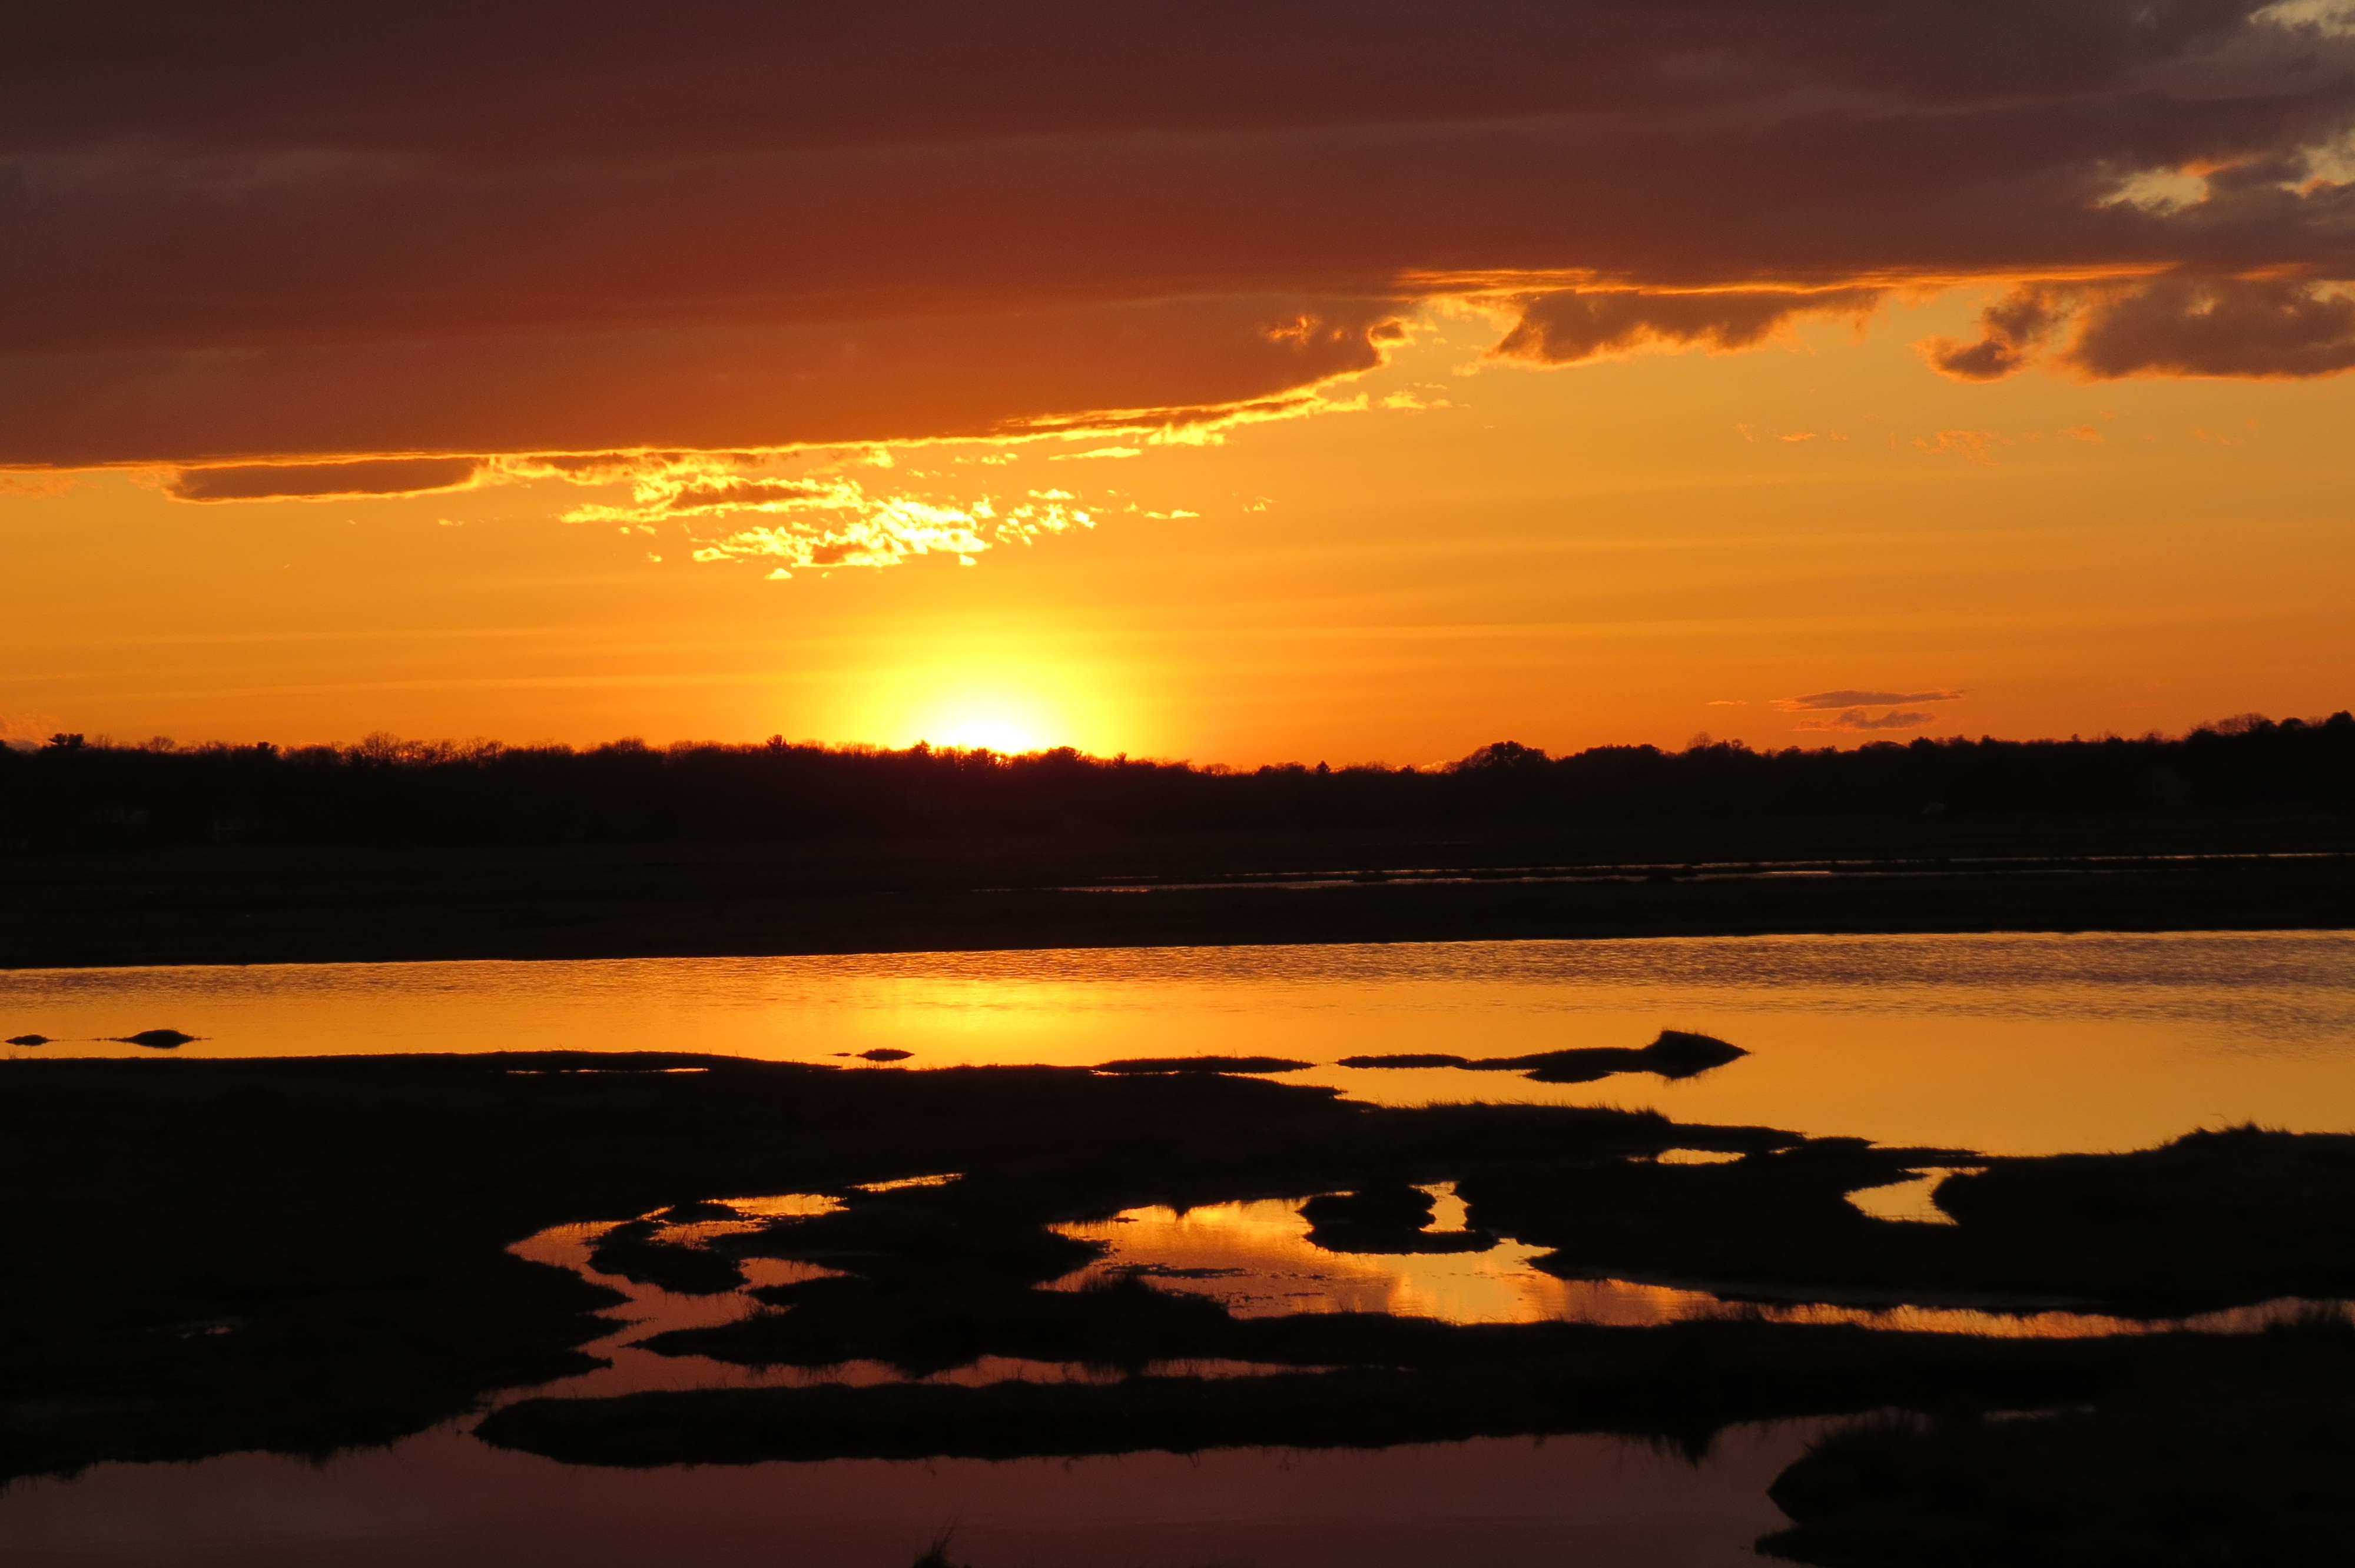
(391, 849)
(272, 903)
(205, 1256)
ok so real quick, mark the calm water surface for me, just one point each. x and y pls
(2007, 1044)
(444, 1499)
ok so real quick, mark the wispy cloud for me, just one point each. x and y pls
(873, 505)
(37, 481)
(825, 519)
(324, 481)
(22, 731)
(1856, 699)
(1856, 720)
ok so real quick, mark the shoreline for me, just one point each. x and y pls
(213, 907)
(2346, 928)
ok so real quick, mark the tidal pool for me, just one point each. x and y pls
(2009, 1043)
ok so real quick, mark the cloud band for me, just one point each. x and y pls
(282, 231)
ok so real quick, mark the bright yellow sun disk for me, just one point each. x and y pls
(989, 735)
(996, 715)
(977, 689)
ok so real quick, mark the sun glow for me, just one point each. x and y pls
(987, 734)
(1010, 709)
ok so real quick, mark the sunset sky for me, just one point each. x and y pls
(1240, 383)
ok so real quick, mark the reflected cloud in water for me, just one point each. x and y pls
(1257, 1260)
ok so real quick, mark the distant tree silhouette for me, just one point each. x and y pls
(73, 793)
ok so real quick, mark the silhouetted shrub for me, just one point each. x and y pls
(73, 794)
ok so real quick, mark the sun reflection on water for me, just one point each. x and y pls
(2005, 1044)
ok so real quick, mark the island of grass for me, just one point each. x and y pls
(1677, 1053)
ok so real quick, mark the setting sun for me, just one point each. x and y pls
(993, 688)
(997, 714)
(986, 734)
(1613, 740)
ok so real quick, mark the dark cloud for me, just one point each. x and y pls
(1844, 699)
(2217, 326)
(271, 482)
(1565, 327)
(699, 385)
(733, 493)
(1858, 721)
(2012, 328)
(568, 76)
(257, 228)
(2176, 324)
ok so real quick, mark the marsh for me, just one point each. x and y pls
(845, 1245)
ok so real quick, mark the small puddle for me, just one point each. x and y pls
(1908, 1203)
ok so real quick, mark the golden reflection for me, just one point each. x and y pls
(2005, 1045)
(649, 1311)
(1907, 1202)
(1256, 1258)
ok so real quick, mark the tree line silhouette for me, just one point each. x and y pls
(78, 793)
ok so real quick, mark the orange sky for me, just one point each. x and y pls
(1463, 388)
(1571, 557)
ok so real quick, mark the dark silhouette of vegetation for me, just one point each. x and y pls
(2212, 1220)
(2177, 1464)
(1677, 1053)
(1393, 1219)
(148, 1313)
(156, 1039)
(394, 851)
(938, 1277)
(697, 1213)
(302, 1254)
(936, 1555)
(1203, 1064)
(1359, 1408)
(634, 1251)
(1681, 1382)
(75, 794)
